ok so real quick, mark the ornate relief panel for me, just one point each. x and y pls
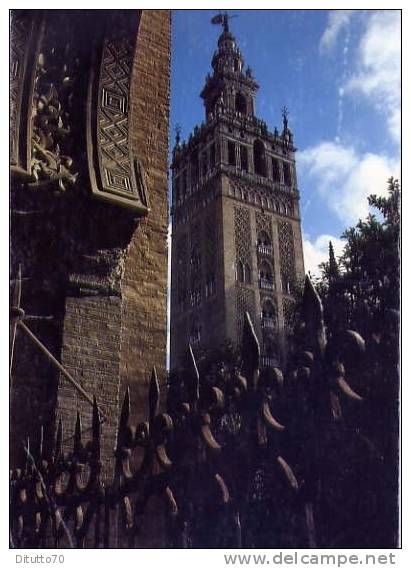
(242, 232)
(115, 174)
(25, 33)
(287, 258)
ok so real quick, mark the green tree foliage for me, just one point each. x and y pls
(362, 290)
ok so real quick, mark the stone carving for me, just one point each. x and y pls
(25, 33)
(19, 30)
(115, 175)
(263, 223)
(289, 314)
(56, 70)
(287, 258)
(242, 227)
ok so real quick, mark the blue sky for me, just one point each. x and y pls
(338, 72)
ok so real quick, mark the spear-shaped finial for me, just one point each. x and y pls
(284, 114)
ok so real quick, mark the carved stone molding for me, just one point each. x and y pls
(115, 175)
(56, 75)
(25, 35)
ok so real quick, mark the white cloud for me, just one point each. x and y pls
(378, 76)
(337, 21)
(344, 178)
(316, 252)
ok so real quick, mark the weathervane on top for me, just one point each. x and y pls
(223, 20)
(285, 114)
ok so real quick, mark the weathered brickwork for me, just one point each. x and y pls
(145, 278)
(98, 263)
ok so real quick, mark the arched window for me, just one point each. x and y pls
(239, 271)
(276, 170)
(240, 103)
(264, 244)
(244, 158)
(263, 239)
(268, 311)
(243, 273)
(260, 167)
(247, 274)
(287, 174)
(266, 280)
(231, 153)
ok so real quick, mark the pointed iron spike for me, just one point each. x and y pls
(250, 349)
(153, 395)
(313, 314)
(27, 452)
(194, 376)
(125, 410)
(77, 433)
(15, 307)
(41, 443)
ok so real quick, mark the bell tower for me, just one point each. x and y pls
(236, 234)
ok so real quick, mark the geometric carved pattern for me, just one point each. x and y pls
(121, 177)
(287, 259)
(19, 29)
(242, 226)
(22, 56)
(262, 197)
(245, 297)
(263, 223)
(289, 314)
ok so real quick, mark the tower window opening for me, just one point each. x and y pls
(244, 158)
(276, 170)
(240, 103)
(247, 274)
(243, 273)
(231, 153)
(239, 272)
(287, 174)
(264, 245)
(268, 315)
(259, 158)
(266, 276)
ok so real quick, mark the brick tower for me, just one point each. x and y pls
(236, 233)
